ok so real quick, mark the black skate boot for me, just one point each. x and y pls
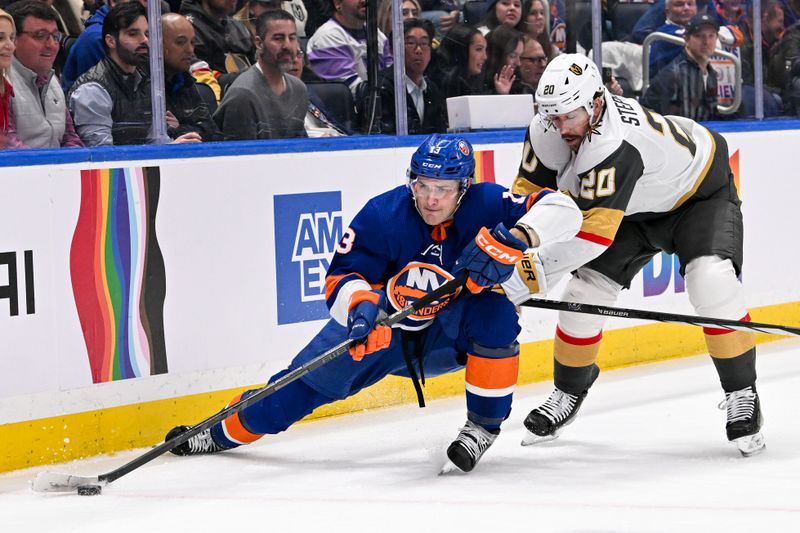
(468, 448)
(198, 444)
(548, 420)
(743, 411)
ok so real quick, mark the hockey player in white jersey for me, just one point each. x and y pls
(645, 183)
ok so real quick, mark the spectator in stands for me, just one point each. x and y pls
(504, 47)
(338, 49)
(536, 27)
(426, 108)
(791, 11)
(444, 14)
(772, 31)
(318, 122)
(319, 11)
(510, 13)
(253, 8)
(7, 35)
(688, 85)
(111, 101)
(678, 13)
(459, 62)
(265, 102)
(186, 111)
(783, 71)
(88, 49)
(250, 11)
(39, 106)
(223, 45)
(410, 10)
(298, 10)
(532, 62)
(730, 13)
(656, 16)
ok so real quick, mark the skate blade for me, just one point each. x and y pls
(751, 444)
(450, 468)
(529, 439)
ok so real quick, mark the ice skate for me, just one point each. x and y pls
(468, 448)
(743, 411)
(201, 443)
(547, 421)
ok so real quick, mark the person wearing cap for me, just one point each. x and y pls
(678, 13)
(687, 86)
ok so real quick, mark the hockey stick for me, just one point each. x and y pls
(620, 312)
(89, 485)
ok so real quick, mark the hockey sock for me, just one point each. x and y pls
(738, 372)
(275, 413)
(490, 381)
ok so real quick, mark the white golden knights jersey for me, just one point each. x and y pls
(634, 163)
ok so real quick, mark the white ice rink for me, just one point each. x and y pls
(647, 453)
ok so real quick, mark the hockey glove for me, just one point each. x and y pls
(490, 258)
(366, 309)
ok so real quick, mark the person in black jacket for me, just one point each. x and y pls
(111, 102)
(223, 42)
(186, 111)
(425, 102)
(687, 86)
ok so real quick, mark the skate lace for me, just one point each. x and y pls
(740, 404)
(202, 443)
(558, 406)
(475, 439)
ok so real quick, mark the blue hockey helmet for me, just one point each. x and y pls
(444, 157)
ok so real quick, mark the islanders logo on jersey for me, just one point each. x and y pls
(413, 282)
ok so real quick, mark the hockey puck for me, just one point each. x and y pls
(89, 490)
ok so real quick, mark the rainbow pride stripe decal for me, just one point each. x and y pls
(117, 273)
(484, 167)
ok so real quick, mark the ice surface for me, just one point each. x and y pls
(647, 453)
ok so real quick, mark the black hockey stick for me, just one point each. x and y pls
(57, 482)
(620, 312)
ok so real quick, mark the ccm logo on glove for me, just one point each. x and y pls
(496, 250)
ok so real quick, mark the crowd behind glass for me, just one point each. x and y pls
(77, 72)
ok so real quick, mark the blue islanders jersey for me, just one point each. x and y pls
(389, 246)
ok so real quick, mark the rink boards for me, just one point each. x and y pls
(141, 288)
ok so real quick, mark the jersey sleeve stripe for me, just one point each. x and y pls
(339, 303)
(522, 186)
(600, 225)
(701, 177)
(597, 239)
(334, 283)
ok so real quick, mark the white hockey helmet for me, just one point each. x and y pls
(569, 82)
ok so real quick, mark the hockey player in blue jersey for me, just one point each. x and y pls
(401, 245)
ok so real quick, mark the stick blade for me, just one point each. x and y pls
(58, 482)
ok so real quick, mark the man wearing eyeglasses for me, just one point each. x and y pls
(39, 108)
(532, 62)
(425, 102)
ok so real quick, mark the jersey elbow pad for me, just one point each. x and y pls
(553, 218)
